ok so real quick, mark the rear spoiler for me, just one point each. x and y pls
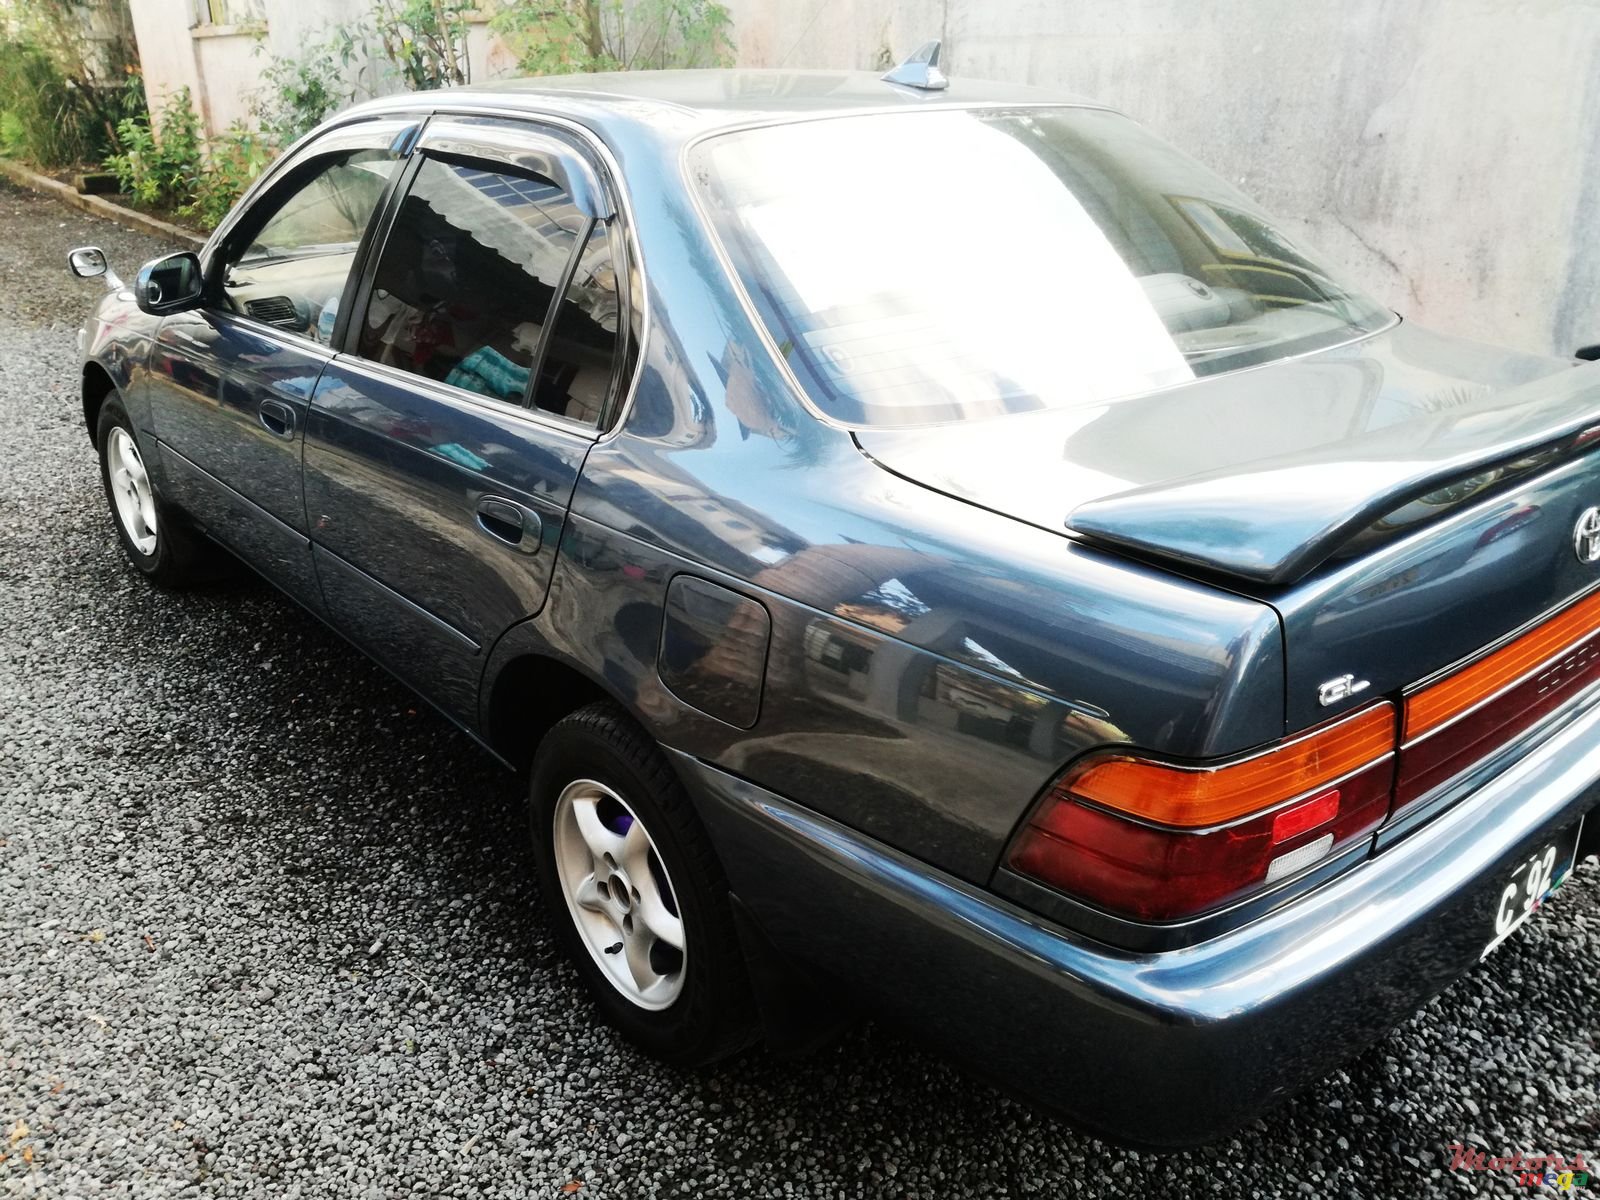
(1277, 520)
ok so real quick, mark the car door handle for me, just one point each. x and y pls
(509, 522)
(277, 418)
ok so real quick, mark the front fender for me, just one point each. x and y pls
(114, 344)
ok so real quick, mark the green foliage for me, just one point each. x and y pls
(235, 159)
(173, 167)
(300, 92)
(62, 93)
(13, 136)
(556, 37)
(43, 119)
(160, 167)
(424, 40)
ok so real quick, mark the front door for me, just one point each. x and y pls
(231, 381)
(445, 443)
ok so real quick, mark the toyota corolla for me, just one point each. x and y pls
(935, 547)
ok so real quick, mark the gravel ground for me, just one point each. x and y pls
(267, 928)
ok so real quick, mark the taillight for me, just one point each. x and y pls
(1159, 841)
(1465, 689)
(1471, 712)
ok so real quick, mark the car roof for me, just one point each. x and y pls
(676, 105)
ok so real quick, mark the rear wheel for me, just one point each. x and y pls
(635, 890)
(156, 541)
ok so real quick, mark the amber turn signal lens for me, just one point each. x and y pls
(1442, 702)
(1194, 797)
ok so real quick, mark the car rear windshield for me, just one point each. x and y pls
(922, 267)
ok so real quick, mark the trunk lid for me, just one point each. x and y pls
(1297, 482)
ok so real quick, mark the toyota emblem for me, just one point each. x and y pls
(1586, 536)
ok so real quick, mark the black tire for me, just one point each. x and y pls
(181, 557)
(713, 1015)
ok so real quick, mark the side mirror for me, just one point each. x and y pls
(168, 285)
(87, 262)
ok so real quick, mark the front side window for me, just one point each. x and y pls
(292, 269)
(465, 281)
(962, 263)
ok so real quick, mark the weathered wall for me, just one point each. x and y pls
(1446, 152)
(221, 65)
(217, 64)
(166, 51)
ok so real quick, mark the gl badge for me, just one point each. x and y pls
(1346, 686)
(1586, 536)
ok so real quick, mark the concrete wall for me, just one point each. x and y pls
(1445, 152)
(218, 64)
(166, 51)
(221, 65)
(227, 62)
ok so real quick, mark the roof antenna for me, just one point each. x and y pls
(921, 70)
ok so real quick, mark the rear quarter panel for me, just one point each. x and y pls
(931, 665)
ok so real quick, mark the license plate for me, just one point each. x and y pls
(1532, 883)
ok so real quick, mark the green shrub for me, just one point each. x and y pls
(13, 136)
(555, 37)
(234, 161)
(43, 120)
(160, 168)
(175, 168)
(298, 93)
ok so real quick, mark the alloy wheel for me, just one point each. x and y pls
(131, 493)
(619, 894)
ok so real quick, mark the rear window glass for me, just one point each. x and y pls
(922, 267)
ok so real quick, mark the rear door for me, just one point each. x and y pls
(231, 382)
(482, 360)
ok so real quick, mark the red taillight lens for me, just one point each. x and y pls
(1308, 799)
(1470, 713)
(1450, 698)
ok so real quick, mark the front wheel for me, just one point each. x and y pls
(157, 543)
(643, 906)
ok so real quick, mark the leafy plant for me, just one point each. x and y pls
(13, 135)
(173, 167)
(561, 36)
(134, 165)
(425, 41)
(165, 167)
(68, 76)
(44, 121)
(235, 159)
(298, 93)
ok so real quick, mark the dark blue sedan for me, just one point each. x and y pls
(931, 549)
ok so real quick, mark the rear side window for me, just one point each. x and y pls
(580, 355)
(467, 277)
